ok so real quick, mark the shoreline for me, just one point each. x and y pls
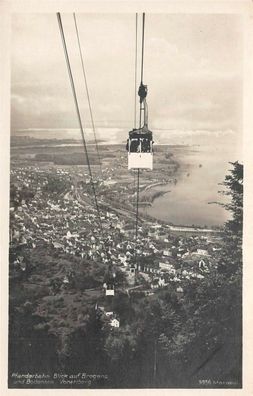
(148, 200)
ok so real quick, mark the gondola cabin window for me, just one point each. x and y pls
(140, 149)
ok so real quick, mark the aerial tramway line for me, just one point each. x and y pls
(139, 143)
(110, 271)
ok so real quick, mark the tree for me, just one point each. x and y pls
(217, 317)
(120, 347)
(231, 258)
(83, 348)
(205, 341)
(234, 189)
(56, 185)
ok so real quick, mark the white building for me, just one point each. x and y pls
(114, 322)
(167, 252)
(167, 267)
(204, 252)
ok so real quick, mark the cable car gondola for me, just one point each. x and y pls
(109, 291)
(109, 281)
(140, 148)
(140, 141)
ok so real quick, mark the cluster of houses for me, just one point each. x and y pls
(70, 227)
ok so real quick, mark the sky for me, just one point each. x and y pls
(192, 66)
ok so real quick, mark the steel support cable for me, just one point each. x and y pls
(81, 126)
(140, 123)
(90, 108)
(142, 104)
(135, 84)
(87, 93)
(89, 104)
(134, 175)
(142, 52)
(137, 204)
(145, 112)
(135, 67)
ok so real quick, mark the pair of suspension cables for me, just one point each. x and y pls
(80, 118)
(137, 182)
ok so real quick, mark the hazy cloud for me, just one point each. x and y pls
(193, 68)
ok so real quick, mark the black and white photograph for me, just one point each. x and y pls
(126, 196)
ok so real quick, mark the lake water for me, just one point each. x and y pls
(188, 201)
